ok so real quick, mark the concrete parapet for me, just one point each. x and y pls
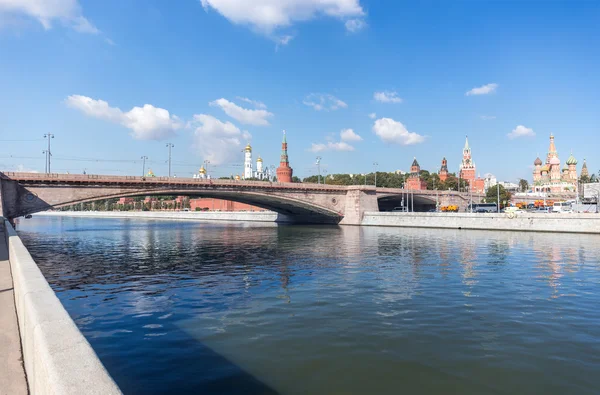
(532, 222)
(57, 357)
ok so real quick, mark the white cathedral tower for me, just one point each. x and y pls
(248, 162)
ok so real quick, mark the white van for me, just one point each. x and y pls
(562, 207)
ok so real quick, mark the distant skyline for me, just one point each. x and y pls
(352, 81)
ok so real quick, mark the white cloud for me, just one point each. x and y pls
(243, 115)
(390, 131)
(217, 141)
(266, 16)
(387, 97)
(67, 12)
(483, 90)
(521, 131)
(146, 123)
(372, 115)
(326, 102)
(487, 117)
(349, 135)
(355, 25)
(331, 146)
(255, 103)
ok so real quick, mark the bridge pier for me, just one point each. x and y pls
(359, 199)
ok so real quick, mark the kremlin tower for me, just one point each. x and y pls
(467, 170)
(414, 181)
(284, 171)
(584, 170)
(444, 170)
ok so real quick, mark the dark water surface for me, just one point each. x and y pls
(215, 308)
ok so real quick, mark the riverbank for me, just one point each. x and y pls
(56, 356)
(525, 222)
(243, 216)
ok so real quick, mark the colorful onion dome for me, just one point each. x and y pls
(545, 168)
(571, 160)
(538, 161)
(555, 161)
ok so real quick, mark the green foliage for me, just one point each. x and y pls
(491, 196)
(296, 179)
(523, 185)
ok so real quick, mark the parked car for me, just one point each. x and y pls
(543, 210)
(399, 209)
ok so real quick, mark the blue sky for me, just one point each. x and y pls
(115, 80)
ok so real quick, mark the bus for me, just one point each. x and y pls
(482, 208)
(562, 207)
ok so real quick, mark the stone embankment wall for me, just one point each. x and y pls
(57, 357)
(250, 216)
(534, 222)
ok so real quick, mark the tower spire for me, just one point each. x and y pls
(466, 142)
(284, 171)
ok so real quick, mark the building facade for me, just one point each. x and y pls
(210, 204)
(549, 177)
(284, 171)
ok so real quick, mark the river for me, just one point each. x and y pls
(232, 308)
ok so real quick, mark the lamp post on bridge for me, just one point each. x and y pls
(375, 164)
(318, 170)
(48, 152)
(170, 145)
(206, 163)
(144, 158)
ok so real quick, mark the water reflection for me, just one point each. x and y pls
(244, 308)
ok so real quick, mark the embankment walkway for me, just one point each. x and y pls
(12, 372)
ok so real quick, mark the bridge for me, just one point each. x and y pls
(27, 193)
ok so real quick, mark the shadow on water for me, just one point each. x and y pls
(205, 370)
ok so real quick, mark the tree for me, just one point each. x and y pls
(523, 185)
(491, 196)
(296, 179)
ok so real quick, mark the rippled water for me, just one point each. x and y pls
(215, 308)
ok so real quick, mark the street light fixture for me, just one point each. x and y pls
(375, 164)
(48, 152)
(206, 163)
(318, 170)
(170, 145)
(144, 158)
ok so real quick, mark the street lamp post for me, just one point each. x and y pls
(498, 192)
(170, 145)
(144, 158)
(206, 163)
(375, 164)
(318, 169)
(272, 167)
(48, 152)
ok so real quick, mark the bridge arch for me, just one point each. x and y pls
(290, 208)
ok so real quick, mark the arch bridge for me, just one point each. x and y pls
(27, 193)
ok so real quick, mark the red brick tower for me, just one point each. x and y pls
(414, 181)
(284, 171)
(444, 170)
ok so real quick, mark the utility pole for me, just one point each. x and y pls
(48, 152)
(375, 164)
(170, 145)
(144, 158)
(318, 169)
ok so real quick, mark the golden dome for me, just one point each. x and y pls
(202, 170)
(259, 159)
(150, 173)
(248, 148)
(237, 177)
